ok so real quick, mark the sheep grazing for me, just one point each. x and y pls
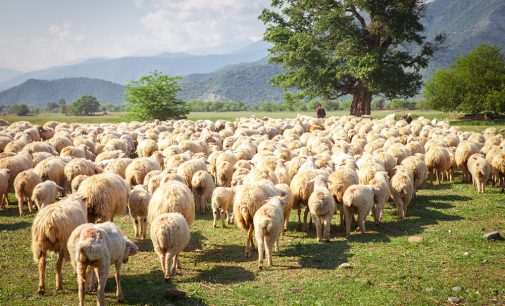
(357, 199)
(172, 196)
(438, 162)
(4, 187)
(138, 203)
(24, 183)
(106, 196)
(322, 208)
(268, 224)
(170, 234)
(79, 166)
(480, 170)
(222, 204)
(97, 247)
(402, 190)
(45, 193)
(202, 185)
(51, 228)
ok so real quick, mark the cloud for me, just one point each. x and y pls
(200, 25)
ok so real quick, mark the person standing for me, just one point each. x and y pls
(320, 111)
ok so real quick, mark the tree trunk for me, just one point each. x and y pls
(361, 101)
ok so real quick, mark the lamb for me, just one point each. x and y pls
(137, 170)
(202, 185)
(51, 228)
(24, 183)
(402, 190)
(170, 234)
(480, 170)
(172, 196)
(45, 193)
(322, 208)
(222, 204)
(97, 247)
(360, 199)
(106, 196)
(138, 203)
(268, 224)
(4, 187)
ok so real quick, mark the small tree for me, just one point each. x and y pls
(154, 96)
(20, 109)
(85, 105)
(474, 83)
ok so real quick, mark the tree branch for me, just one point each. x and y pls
(352, 9)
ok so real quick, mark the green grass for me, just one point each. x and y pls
(387, 269)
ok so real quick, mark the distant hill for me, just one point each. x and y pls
(122, 70)
(249, 83)
(7, 74)
(41, 92)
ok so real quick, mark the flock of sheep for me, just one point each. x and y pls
(251, 172)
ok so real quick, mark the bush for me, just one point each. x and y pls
(401, 104)
(154, 96)
(20, 109)
(85, 106)
(473, 84)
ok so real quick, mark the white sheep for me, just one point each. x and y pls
(222, 204)
(138, 203)
(268, 224)
(45, 193)
(322, 208)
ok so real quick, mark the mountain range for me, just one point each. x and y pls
(245, 74)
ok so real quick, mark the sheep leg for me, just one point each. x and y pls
(327, 227)
(168, 265)
(103, 273)
(163, 261)
(268, 250)
(215, 214)
(175, 264)
(305, 215)
(59, 276)
(249, 243)
(317, 222)
(42, 273)
(348, 220)
(20, 206)
(261, 249)
(361, 221)
(299, 212)
(81, 282)
(30, 207)
(119, 289)
(144, 228)
(135, 227)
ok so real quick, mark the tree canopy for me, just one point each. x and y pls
(332, 48)
(474, 83)
(85, 105)
(154, 96)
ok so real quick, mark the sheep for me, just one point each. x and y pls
(4, 187)
(418, 167)
(97, 247)
(480, 170)
(202, 186)
(268, 224)
(463, 152)
(301, 187)
(79, 166)
(138, 202)
(76, 182)
(106, 196)
(172, 196)
(188, 168)
(382, 192)
(146, 147)
(322, 208)
(438, 161)
(360, 199)
(24, 183)
(52, 169)
(222, 204)
(137, 170)
(338, 182)
(284, 191)
(51, 228)
(247, 200)
(45, 193)
(402, 190)
(170, 234)
(16, 164)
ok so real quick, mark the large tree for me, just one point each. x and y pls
(332, 48)
(154, 96)
(86, 105)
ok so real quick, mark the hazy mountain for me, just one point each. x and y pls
(122, 70)
(7, 74)
(41, 92)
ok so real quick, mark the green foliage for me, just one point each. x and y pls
(332, 48)
(154, 96)
(52, 107)
(401, 104)
(20, 109)
(474, 83)
(217, 106)
(85, 106)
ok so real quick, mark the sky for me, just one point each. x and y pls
(36, 34)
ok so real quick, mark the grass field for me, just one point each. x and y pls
(386, 268)
(474, 125)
